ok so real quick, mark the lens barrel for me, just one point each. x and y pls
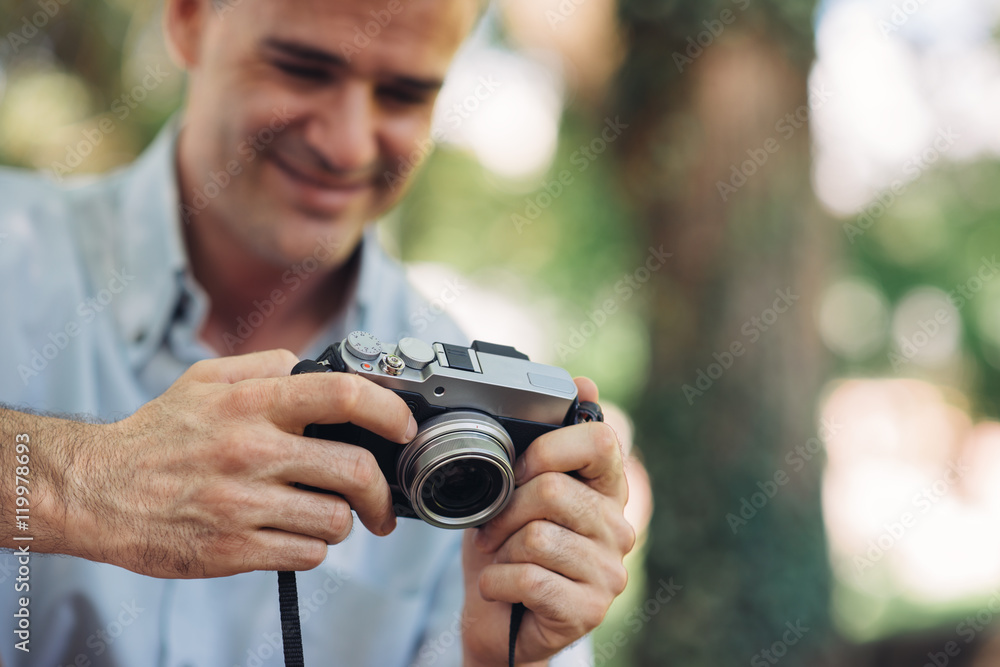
(458, 471)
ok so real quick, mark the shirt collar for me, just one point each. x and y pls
(151, 244)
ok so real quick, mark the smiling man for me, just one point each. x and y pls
(343, 125)
(242, 231)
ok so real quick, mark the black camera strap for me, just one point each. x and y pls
(516, 614)
(291, 630)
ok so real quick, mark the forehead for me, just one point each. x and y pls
(368, 35)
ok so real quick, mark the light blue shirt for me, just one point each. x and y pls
(101, 315)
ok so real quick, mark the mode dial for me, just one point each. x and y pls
(363, 345)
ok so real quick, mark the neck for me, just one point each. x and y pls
(255, 304)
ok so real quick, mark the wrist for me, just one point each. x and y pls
(79, 512)
(50, 455)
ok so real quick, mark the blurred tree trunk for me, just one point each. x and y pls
(720, 175)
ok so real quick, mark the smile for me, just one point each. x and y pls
(323, 194)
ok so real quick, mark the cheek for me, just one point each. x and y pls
(406, 144)
(261, 104)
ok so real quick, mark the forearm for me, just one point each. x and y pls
(40, 461)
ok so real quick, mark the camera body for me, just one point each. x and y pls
(478, 408)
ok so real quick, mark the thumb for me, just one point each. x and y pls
(586, 389)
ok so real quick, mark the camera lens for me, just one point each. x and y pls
(457, 472)
(462, 488)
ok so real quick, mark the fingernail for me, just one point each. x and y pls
(411, 430)
(519, 469)
(389, 525)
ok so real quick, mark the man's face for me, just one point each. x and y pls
(304, 116)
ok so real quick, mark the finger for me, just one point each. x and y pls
(324, 516)
(586, 389)
(562, 500)
(347, 470)
(267, 364)
(557, 600)
(279, 550)
(590, 450)
(555, 548)
(337, 398)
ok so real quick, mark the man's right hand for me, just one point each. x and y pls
(198, 482)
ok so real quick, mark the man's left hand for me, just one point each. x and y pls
(557, 547)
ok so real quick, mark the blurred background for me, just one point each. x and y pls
(767, 228)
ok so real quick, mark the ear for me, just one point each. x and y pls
(184, 24)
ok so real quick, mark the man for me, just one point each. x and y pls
(175, 515)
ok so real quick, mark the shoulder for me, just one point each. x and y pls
(18, 184)
(40, 213)
(55, 238)
(34, 219)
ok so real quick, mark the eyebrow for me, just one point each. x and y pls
(319, 56)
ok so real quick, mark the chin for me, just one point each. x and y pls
(329, 242)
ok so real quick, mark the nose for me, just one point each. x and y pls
(344, 133)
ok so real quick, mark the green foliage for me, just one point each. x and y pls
(938, 233)
(95, 52)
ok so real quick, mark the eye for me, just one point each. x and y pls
(403, 96)
(303, 72)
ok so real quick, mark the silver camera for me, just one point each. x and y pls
(478, 409)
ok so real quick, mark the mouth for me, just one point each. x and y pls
(319, 192)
